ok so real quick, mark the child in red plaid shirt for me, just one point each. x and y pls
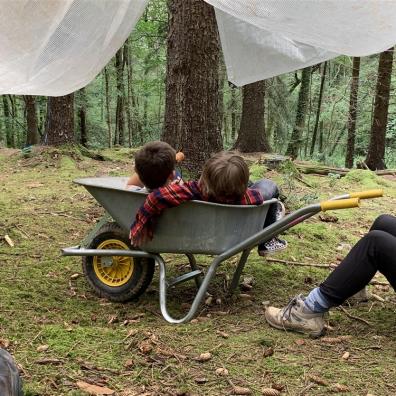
(224, 179)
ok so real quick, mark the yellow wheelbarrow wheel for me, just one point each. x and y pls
(117, 278)
(120, 269)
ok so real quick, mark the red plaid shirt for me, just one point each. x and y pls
(170, 196)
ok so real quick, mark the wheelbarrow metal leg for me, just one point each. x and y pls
(238, 271)
(194, 267)
(198, 297)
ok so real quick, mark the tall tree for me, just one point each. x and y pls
(295, 141)
(82, 117)
(119, 135)
(108, 112)
(321, 90)
(376, 152)
(32, 135)
(9, 133)
(251, 136)
(192, 83)
(350, 152)
(60, 120)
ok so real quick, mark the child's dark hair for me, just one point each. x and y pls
(225, 177)
(154, 163)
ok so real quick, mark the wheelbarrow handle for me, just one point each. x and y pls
(367, 194)
(339, 204)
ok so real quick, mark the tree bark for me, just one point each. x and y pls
(32, 135)
(302, 105)
(192, 83)
(315, 131)
(60, 120)
(7, 122)
(376, 152)
(233, 114)
(108, 113)
(350, 152)
(82, 115)
(119, 135)
(251, 136)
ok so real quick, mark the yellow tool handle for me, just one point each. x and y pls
(340, 204)
(367, 194)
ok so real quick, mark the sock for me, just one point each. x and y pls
(317, 302)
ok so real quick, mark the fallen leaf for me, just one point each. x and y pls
(145, 347)
(317, 380)
(221, 371)
(128, 363)
(268, 352)
(113, 319)
(346, 355)
(49, 361)
(299, 341)
(9, 240)
(245, 296)
(270, 392)
(340, 388)
(4, 343)
(200, 380)
(335, 340)
(204, 357)
(238, 390)
(94, 390)
(222, 334)
(75, 276)
(209, 300)
(42, 348)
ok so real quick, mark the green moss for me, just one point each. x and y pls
(360, 178)
(257, 172)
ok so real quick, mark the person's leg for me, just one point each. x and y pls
(269, 190)
(376, 251)
(385, 223)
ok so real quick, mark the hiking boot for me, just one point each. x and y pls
(297, 317)
(272, 246)
(280, 211)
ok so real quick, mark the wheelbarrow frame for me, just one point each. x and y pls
(245, 246)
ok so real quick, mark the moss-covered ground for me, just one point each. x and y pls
(60, 332)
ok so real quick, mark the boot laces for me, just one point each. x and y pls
(287, 310)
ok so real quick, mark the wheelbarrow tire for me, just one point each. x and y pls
(132, 274)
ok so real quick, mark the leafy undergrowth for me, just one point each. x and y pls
(61, 333)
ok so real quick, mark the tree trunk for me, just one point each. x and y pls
(350, 152)
(315, 131)
(251, 136)
(32, 135)
(192, 83)
(376, 152)
(60, 120)
(82, 115)
(7, 122)
(108, 113)
(119, 136)
(302, 105)
(233, 114)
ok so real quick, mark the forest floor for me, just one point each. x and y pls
(60, 332)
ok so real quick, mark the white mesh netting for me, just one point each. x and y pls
(54, 47)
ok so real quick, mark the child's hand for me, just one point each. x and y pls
(178, 180)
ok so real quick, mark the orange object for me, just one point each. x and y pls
(179, 156)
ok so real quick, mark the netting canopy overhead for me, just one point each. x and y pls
(54, 47)
(264, 38)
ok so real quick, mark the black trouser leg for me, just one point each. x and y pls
(376, 251)
(385, 223)
(268, 190)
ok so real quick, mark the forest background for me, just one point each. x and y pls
(340, 112)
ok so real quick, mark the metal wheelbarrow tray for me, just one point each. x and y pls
(118, 272)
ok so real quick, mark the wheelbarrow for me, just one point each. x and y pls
(121, 273)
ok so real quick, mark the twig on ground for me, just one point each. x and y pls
(297, 263)
(353, 317)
